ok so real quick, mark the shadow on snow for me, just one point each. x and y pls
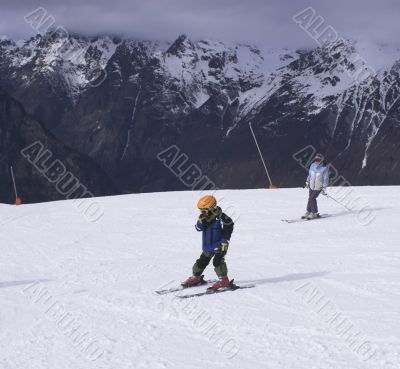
(286, 278)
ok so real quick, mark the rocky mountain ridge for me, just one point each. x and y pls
(119, 102)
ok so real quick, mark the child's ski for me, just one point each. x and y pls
(211, 291)
(181, 287)
(297, 220)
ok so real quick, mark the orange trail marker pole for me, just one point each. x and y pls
(18, 201)
(271, 186)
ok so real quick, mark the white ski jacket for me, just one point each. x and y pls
(318, 177)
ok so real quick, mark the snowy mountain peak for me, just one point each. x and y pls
(155, 94)
(71, 60)
(181, 46)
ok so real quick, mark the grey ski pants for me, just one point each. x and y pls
(312, 206)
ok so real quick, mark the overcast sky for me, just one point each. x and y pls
(262, 22)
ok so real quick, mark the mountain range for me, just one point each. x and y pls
(107, 106)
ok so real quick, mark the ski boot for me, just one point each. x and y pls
(313, 216)
(306, 215)
(194, 280)
(223, 283)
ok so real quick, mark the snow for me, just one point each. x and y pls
(336, 78)
(201, 98)
(191, 69)
(107, 47)
(242, 72)
(66, 55)
(103, 275)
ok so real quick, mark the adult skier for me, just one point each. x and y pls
(217, 229)
(317, 182)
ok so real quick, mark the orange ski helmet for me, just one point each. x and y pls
(207, 202)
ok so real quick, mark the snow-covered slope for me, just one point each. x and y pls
(327, 292)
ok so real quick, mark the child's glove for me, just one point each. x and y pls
(224, 245)
(223, 249)
(203, 218)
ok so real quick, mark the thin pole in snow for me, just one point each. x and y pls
(13, 179)
(262, 159)
(17, 199)
(332, 198)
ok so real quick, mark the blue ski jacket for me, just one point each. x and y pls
(218, 230)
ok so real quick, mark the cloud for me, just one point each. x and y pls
(263, 22)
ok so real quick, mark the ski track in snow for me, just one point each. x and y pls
(106, 273)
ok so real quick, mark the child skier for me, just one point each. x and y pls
(317, 182)
(217, 228)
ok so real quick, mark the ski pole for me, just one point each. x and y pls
(338, 202)
(17, 199)
(271, 186)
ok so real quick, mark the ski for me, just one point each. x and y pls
(297, 220)
(181, 288)
(210, 291)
